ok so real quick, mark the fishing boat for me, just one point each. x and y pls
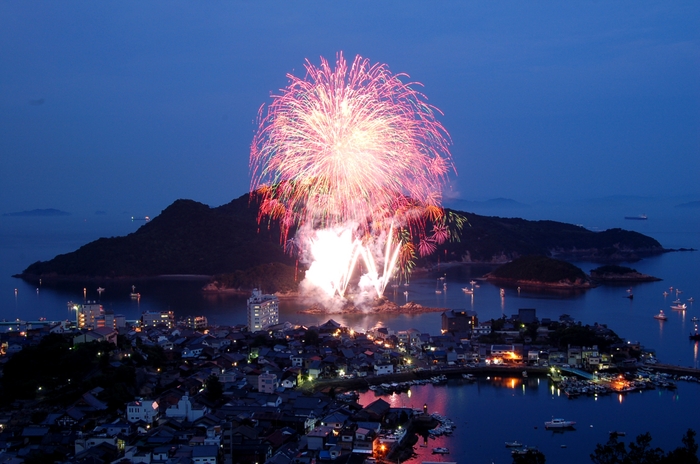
(661, 316)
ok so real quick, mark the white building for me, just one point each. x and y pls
(140, 410)
(152, 319)
(263, 311)
(184, 410)
(86, 314)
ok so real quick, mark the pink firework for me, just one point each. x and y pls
(348, 144)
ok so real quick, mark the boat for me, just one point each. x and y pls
(134, 295)
(641, 217)
(513, 444)
(691, 299)
(695, 336)
(677, 301)
(680, 307)
(441, 450)
(694, 319)
(503, 292)
(661, 316)
(558, 423)
(467, 290)
(437, 286)
(616, 433)
(665, 293)
(469, 377)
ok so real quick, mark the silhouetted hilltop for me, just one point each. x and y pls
(499, 240)
(186, 238)
(191, 238)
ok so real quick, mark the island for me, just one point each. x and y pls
(541, 272)
(614, 273)
(191, 238)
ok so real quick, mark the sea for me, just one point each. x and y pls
(488, 412)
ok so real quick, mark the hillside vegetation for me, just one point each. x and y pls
(540, 270)
(191, 238)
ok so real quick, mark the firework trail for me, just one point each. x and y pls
(353, 149)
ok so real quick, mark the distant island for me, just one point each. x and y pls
(614, 273)
(541, 272)
(38, 213)
(190, 238)
(690, 204)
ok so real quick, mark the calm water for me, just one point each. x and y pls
(495, 410)
(489, 412)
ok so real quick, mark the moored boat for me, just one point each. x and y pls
(441, 450)
(558, 423)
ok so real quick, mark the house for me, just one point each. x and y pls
(317, 438)
(383, 368)
(184, 410)
(140, 410)
(205, 454)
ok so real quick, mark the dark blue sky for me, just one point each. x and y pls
(126, 106)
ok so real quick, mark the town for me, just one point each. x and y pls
(101, 389)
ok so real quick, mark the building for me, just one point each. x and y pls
(140, 410)
(197, 322)
(152, 319)
(86, 314)
(263, 311)
(459, 321)
(527, 315)
(185, 410)
(267, 382)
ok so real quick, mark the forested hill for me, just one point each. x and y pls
(191, 238)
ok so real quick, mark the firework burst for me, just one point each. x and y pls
(355, 148)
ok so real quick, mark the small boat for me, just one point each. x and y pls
(691, 299)
(661, 316)
(694, 319)
(677, 301)
(513, 444)
(695, 336)
(467, 290)
(134, 295)
(616, 433)
(680, 307)
(558, 423)
(503, 292)
(405, 293)
(641, 217)
(665, 293)
(441, 450)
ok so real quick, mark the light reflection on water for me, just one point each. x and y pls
(491, 411)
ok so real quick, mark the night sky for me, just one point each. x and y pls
(124, 106)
